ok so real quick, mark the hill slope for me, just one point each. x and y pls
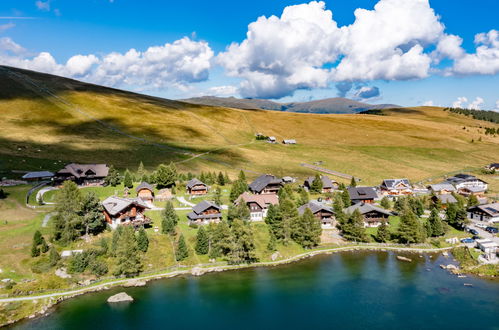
(49, 120)
(331, 105)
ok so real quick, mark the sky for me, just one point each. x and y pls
(404, 52)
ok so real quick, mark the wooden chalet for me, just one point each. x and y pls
(82, 174)
(164, 194)
(373, 215)
(325, 214)
(257, 204)
(478, 191)
(266, 184)
(487, 212)
(327, 184)
(395, 187)
(204, 213)
(362, 194)
(125, 211)
(444, 199)
(443, 188)
(466, 181)
(145, 191)
(196, 187)
(494, 167)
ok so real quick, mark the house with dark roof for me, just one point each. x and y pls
(395, 187)
(362, 194)
(323, 213)
(487, 213)
(145, 191)
(478, 191)
(373, 215)
(443, 188)
(328, 185)
(257, 204)
(266, 184)
(82, 174)
(196, 187)
(38, 176)
(204, 213)
(494, 167)
(444, 199)
(289, 141)
(271, 139)
(466, 180)
(125, 211)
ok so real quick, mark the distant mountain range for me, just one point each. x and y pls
(330, 105)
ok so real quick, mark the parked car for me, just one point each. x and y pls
(467, 240)
(473, 231)
(476, 237)
(492, 230)
(481, 225)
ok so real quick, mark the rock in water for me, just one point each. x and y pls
(120, 297)
(404, 258)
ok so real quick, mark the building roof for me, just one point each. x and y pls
(289, 141)
(194, 182)
(203, 206)
(314, 207)
(326, 181)
(474, 189)
(362, 193)
(84, 170)
(442, 186)
(144, 185)
(491, 209)
(447, 199)
(271, 138)
(494, 165)
(461, 178)
(114, 205)
(365, 208)
(393, 183)
(263, 181)
(261, 200)
(37, 175)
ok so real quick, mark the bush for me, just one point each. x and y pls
(41, 266)
(98, 267)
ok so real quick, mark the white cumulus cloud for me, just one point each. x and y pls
(476, 104)
(428, 103)
(486, 58)
(459, 103)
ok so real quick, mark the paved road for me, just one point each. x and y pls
(182, 200)
(47, 218)
(482, 232)
(41, 192)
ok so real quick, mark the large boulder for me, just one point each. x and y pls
(120, 297)
(197, 271)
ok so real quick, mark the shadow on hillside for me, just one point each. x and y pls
(404, 110)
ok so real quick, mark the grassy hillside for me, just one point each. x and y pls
(48, 120)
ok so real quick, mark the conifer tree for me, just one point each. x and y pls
(142, 240)
(54, 256)
(307, 230)
(44, 247)
(141, 171)
(353, 182)
(472, 201)
(272, 244)
(274, 221)
(316, 186)
(345, 196)
(37, 238)
(166, 175)
(385, 203)
(115, 239)
(226, 178)
(436, 227)
(242, 246)
(181, 251)
(410, 228)
(127, 253)
(353, 229)
(127, 180)
(202, 241)
(221, 179)
(35, 251)
(169, 219)
(218, 196)
(113, 177)
(289, 215)
(66, 221)
(383, 234)
(91, 214)
(304, 197)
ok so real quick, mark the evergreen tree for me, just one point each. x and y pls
(316, 186)
(472, 201)
(242, 246)
(142, 240)
(3, 195)
(181, 251)
(272, 244)
(35, 251)
(169, 219)
(190, 176)
(113, 177)
(304, 197)
(91, 214)
(218, 196)
(385, 203)
(226, 178)
(202, 241)
(54, 256)
(401, 204)
(345, 196)
(450, 214)
(307, 230)
(274, 221)
(353, 229)
(141, 171)
(166, 176)
(128, 181)
(127, 254)
(237, 189)
(289, 215)
(115, 239)
(202, 178)
(436, 227)
(241, 176)
(410, 228)
(44, 247)
(221, 240)
(37, 238)
(338, 207)
(383, 234)
(221, 179)
(66, 221)
(353, 182)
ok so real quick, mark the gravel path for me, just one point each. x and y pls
(182, 200)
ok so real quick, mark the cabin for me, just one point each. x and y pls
(125, 211)
(196, 187)
(443, 188)
(487, 212)
(466, 180)
(288, 179)
(395, 187)
(444, 199)
(325, 214)
(164, 194)
(488, 247)
(362, 194)
(289, 141)
(494, 167)
(472, 190)
(82, 174)
(271, 139)
(38, 176)
(257, 204)
(266, 184)
(373, 215)
(204, 213)
(327, 184)
(145, 191)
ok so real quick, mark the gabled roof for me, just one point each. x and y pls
(194, 182)
(84, 170)
(442, 186)
(447, 199)
(474, 189)
(261, 200)
(204, 205)
(362, 193)
(114, 205)
(393, 183)
(494, 165)
(461, 178)
(366, 208)
(326, 181)
(491, 209)
(144, 185)
(314, 207)
(39, 174)
(289, 141)
(263, 181)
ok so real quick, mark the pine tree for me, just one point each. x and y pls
(472, 201)
(410, 228)
(115, 239)
(54, 256)
(218, 196)
(385, 203)
(353, 229)
(91, 214)
(37, 238)
(128, 181)
(241, 177)
(35, 251)
(353, 182)
(142, 240)
(242, 246)
(202, 241)
(383, 234)
(181, 251)
(44, 247)
(272, 244)
(3, 195)
(166, 176)
(304, 197)
(274, 221)
(169, 219)
(226, 178)
(338, 207)
(113, 177)
(316, 186)
(435, 224)
(289, 215)
(127, 254)
(221, 179)
(307, 230)
(345, 196)
(141, 171)
(220, 240)
(66, 221)
(237, 189)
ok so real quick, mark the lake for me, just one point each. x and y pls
(350, 290)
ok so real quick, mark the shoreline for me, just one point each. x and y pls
(194, 270)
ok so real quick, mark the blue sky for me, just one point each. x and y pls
(403, 52)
